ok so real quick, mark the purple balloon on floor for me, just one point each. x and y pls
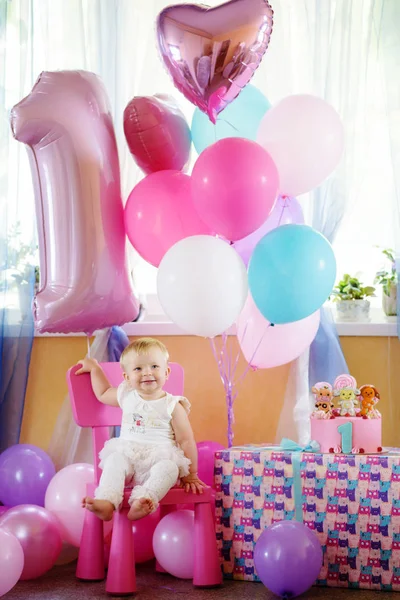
(25, 473)
(288, 558)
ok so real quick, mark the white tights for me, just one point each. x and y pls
(154, 484)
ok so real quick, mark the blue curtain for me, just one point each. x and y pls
(117, 342)
(16, 337)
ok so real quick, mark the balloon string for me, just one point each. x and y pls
(88, 345)
(249, 365)
(230, 124)
(222, 360)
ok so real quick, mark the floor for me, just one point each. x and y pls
(60, 584)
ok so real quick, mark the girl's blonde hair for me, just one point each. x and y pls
(142, 346)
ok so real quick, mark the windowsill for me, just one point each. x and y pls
(379, 325)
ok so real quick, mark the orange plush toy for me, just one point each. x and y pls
(369, 397)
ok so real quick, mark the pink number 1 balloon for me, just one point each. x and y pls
(66, 123)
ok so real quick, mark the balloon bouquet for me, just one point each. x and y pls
(238, 208)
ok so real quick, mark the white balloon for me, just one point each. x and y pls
(202, 285)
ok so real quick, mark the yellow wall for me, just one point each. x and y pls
(257, 408)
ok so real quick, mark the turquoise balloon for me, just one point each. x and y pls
(241, 118)
(291, 273)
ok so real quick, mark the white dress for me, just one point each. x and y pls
(146, 433)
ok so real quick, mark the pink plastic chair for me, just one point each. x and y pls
(121, 577)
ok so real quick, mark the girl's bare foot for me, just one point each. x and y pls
(103, 509)
(140, 507)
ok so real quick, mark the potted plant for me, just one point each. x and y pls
(387, 278)
(351, 299)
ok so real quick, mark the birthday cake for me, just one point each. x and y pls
(354, 425)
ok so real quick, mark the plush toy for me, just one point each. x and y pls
(323, 400)
(345, 388)
(369, 397)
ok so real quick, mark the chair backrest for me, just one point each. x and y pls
(89, 412)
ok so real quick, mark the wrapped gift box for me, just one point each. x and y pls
(352, 502)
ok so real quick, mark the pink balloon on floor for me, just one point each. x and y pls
(234, 187)
(206, 451)
(159, 212)
(11, 561)
(265, 346)
(143, 531)
(64, 499)
(37, 530)
(173, 543)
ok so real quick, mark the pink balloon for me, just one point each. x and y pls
(64, 499)
(305, 138)
(159, 213)
(173, 543)
(143, 531)
(212, 53)
(66, 123)
(286, 210)
(266, 347)
(157, 133)
(234, 187)
(38, 533)
(11, 561)
(205, 452)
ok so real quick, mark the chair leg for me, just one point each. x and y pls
(121, 575)
(165, 509)
(207, 568)
(91, 552)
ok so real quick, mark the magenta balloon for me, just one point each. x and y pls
(25, 473)
(159, 213)
(157, 133)
(212, 53)
(234, 187)
(173, 543)
(143, 531)
(66, 123)
(11, 561)
(205, 452)
(265, 346)
(286, 210)
(37, 531)
(288, 558)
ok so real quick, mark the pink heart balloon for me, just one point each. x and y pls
(157, 133)
(212, 53)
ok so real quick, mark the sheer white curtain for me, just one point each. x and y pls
(353, 207)
(332, 48)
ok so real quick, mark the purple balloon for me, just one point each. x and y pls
(25, 472)
(288, 558)
(286, 211)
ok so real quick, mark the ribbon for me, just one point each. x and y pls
(296, 450)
